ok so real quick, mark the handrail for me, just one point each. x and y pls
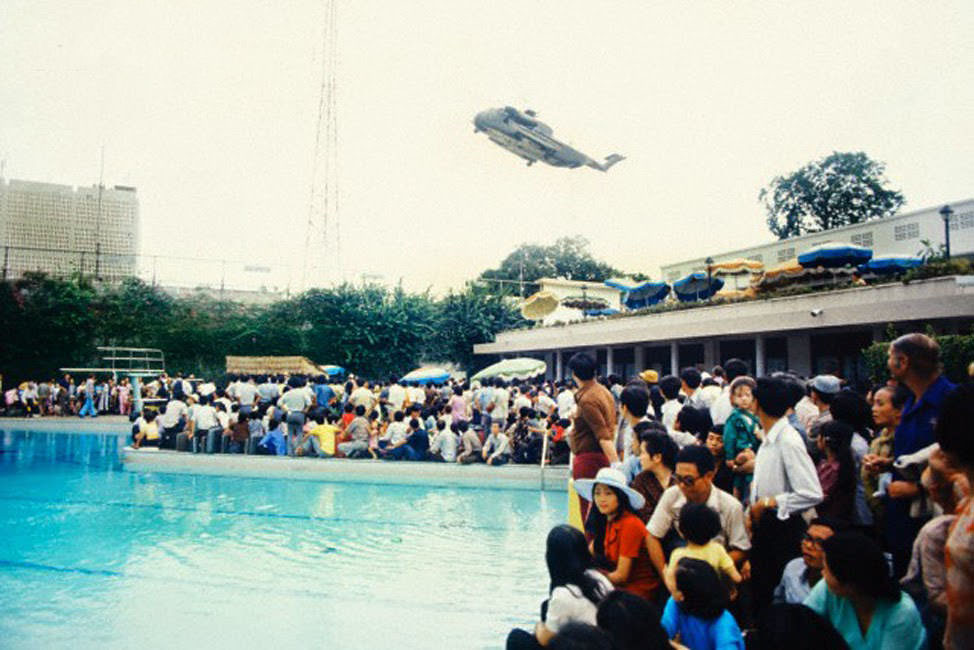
(544, 458)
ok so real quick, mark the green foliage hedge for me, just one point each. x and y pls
(48, 323)
(956, 352)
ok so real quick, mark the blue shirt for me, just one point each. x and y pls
(631, 467)
(721, 633)
(274, 440)
(323, 394)
(914, 432)
(894, 626)
(919, 415)
(794, 587)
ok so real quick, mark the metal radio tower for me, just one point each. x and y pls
(323, 237)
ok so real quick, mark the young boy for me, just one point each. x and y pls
(739, 434)
(699, 524)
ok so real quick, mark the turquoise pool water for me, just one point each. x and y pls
(94, 556)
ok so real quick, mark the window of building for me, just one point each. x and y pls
(863, 239)
(962, 221)
(757, 258)
(786, 254)
(905, 231)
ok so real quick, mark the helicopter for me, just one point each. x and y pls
(521, 133)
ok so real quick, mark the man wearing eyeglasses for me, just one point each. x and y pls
(803, 573)
(694, 477)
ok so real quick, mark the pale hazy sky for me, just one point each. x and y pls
(209, 109)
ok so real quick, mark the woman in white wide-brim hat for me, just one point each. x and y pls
(618, 535)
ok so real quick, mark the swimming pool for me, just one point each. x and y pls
(95, 556)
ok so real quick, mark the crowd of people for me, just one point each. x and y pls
(727, 511)
(720, 509)
(89, 397)
(493, 421)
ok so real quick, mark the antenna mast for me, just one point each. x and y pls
(321, 245)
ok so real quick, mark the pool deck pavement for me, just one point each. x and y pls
(429, 474)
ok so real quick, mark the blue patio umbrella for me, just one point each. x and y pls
(890, 264)
(333, 371)
(835, 254)
(601, 312)
(644, 294)
(697, 286)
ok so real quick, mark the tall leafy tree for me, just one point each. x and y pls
(838, 190)
(472, 316)
(47, 323)
(568, 257)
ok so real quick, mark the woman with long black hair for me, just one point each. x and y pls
(574, 593)
(618, 535)
(837, 471)
(862, 600)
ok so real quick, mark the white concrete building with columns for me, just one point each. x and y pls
(808, 334)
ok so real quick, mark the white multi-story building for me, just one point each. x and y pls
(60, 230)
(900, 234)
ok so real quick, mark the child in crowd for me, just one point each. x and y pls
(497, 447)
(699, 524)
(273, 442)
(697, 613)
(375, 432)
(348, 414)
(740, 434)
(472, 446)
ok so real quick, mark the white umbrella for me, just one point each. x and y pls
(519, 368)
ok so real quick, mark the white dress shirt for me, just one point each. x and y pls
(566, 404)
(784, 471)
(722, 407)
(669, 411)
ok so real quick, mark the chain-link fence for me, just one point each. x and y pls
(175, 272)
